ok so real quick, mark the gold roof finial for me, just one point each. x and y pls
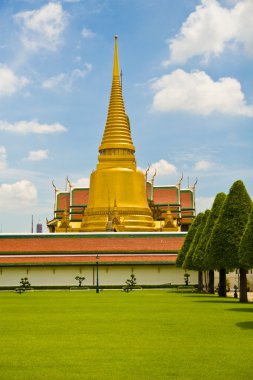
(116, 70)
(117, 134)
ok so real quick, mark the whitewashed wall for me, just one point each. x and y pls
(108, 275)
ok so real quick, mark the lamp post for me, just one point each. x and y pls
(97, 285)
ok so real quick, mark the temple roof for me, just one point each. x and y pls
(82, 249)
(92, 242)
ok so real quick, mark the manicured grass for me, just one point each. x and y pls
(151, 335)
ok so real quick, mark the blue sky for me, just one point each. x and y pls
(187, 85)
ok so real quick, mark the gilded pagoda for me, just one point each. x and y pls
(120, 198)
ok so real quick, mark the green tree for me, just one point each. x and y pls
(130, 283)
(188, 239)
(189, 262)
(80, 280)
(198, 258)
(224, 243)
(201, 250)
(246, 246)
(24, 283)
(246, 252)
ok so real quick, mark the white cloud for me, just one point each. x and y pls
(204, 203)
(210, 29)
(203, 165)
(43, 28)
(82, 182)
(25, 127)
(18, 194)
(37, 155)
(80, 73)
(10, 82)
(242, 16)
(60, 80)
(162, 168)
(64, 81)
(3, 163)
(87, 33)
(197, 92)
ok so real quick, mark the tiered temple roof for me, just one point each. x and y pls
(82, 249)
(180, 201)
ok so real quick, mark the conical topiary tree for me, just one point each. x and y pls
(246, 247)
(201, 247)
(198, 258)
(188, 262)
(224, 243)
(189, 238)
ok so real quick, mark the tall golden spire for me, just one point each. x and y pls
(116, 70)
(117, 134)
(116, 173)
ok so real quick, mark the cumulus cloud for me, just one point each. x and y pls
(43, 28)
(10, 82)
(58, 81)
(210, 29)
(82, 182)
(3, 157)
(37, 155)
(64, 81)
(87, 33)
(26, 127)
(18, 194)
(162, 168)
(198, 93)
(203, 165)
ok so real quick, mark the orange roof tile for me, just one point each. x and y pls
(186, 199)
(165, 195)
(79, 243)
(80, 196)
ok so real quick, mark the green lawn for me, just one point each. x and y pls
(147, 334)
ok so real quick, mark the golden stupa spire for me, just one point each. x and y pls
(116, 174)
(117, 134)
(116, 70)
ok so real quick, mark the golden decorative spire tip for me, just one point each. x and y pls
(116, 70)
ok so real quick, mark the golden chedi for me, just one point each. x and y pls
(117, 195)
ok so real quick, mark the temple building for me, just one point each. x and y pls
(120, 198)
(122, 223)
(172, 209)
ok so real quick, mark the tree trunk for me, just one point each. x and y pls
(200, 281)
(211, 281)
(243, 285)
(206, 280)
(222, 283)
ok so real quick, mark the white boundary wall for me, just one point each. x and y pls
(108, 275)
